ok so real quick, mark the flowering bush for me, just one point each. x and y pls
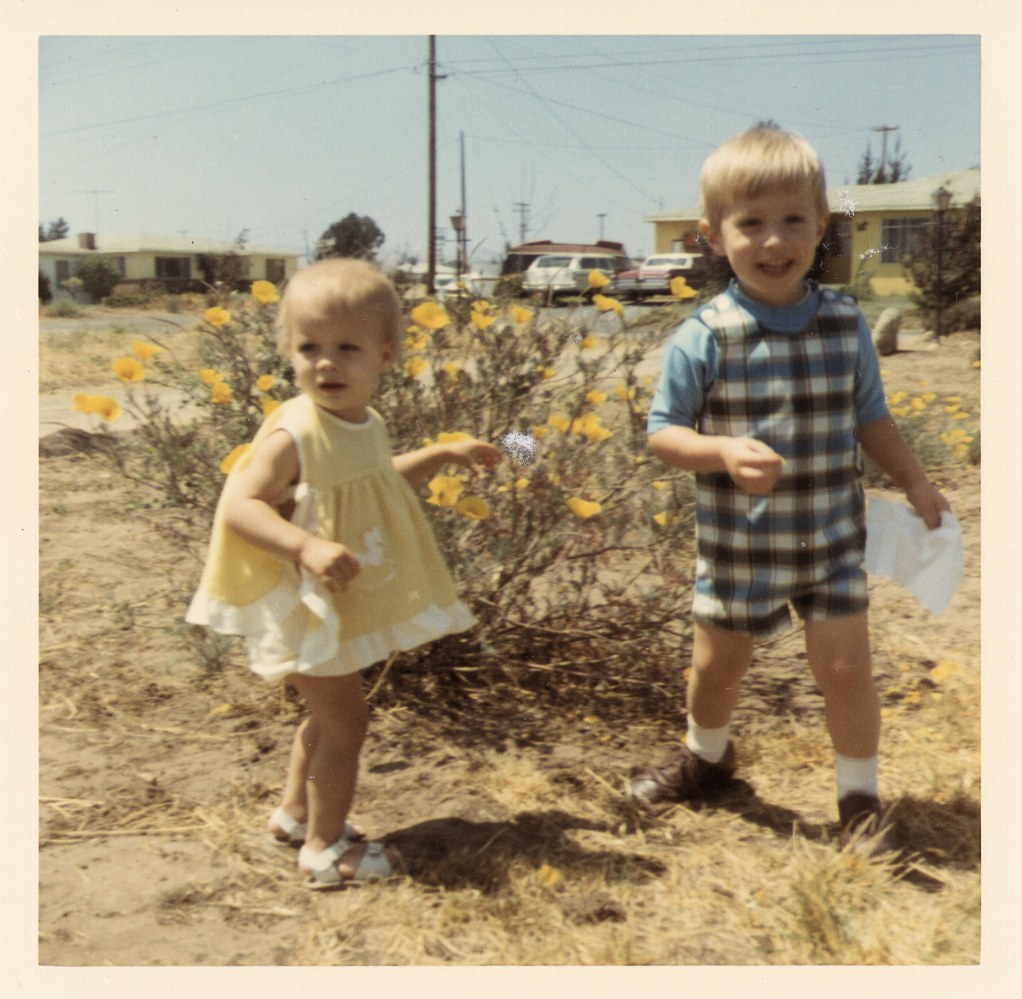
(571, 554)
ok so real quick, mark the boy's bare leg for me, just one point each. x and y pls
(720, 659)
(839, 656)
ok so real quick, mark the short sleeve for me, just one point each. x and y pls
(870, 401)
(689, 369)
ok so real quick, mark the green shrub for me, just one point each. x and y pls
(574, 557)
(64, 308)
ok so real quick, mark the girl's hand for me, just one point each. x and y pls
(928, 501)
(753, 466)
(474, 455)
(331, 564)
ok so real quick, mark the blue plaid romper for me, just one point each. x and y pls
(803, 544)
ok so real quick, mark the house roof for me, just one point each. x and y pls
(905, 196)
(146, 242)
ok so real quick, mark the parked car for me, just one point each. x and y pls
(556, 274)
(654, 275)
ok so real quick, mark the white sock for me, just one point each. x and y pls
(709, 744)
(854, 775)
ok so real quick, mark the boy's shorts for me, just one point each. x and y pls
(761, 607)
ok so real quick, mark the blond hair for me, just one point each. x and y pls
(344, 290)
(760, 160)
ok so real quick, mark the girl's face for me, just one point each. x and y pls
(338, 363)
(770, 241)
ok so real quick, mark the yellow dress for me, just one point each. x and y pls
(348, 491)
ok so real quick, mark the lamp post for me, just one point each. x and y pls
(942, 199)
(458, 225)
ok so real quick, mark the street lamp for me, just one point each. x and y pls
(458, 225)
(942, 199)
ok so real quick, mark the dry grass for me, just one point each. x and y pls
(508, 808)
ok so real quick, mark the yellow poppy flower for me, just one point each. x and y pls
(481, 305)
(268, 405)
(595, 398)
(588, 342)
(548, 373)
(84, 403)
(144, 350)
(452, 369)
(265, 292)
(232, 459)
(474, 507)
(216, 316)
(583, 509)
(430, 316)
(445, 490)
(106, 408)
(680, 289)
(521, 484)
(663, 518)
(452, 437)
(597, 279)
(416, 341)
(265, 382)
(520, 314)
(548, 875)
(209, 376)
(589, 426)
(559, 422)
(480, 320)
(221, 393)
(624, 393)
(659, 484)
(128, 369)
(539, 432)
(415, 366)
(606, 304)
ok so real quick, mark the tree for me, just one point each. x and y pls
(354, 236)
(888, 171)
(959, 240)
(55, 230)
(98, 276)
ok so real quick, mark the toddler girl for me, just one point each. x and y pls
(321, 557)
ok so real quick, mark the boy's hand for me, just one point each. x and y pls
(332, 565)
(928, 501)
(754, 466)
(474, 455)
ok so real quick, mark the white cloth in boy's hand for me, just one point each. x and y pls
(899, 545)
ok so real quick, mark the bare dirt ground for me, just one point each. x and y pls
(157, 774)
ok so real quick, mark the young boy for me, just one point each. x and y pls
(767, 394)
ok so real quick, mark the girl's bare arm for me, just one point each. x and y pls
(423, 463)
(252, 512)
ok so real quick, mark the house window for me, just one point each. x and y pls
(900, 237)
(119, 265)
(839, 240)
(63, 270)
(174, 268)
(275, 269)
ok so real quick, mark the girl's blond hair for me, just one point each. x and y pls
(759, 160)
(344, 289)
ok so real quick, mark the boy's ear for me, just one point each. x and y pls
(822, 227)
(711, 236)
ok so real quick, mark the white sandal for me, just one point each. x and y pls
(292, 832)
(322, 867)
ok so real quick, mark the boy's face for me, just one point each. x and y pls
(770, 241)
(338, 363)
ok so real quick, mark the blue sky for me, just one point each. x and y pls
(573, 136)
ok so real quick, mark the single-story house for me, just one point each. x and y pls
(178, 263)
(872, 228)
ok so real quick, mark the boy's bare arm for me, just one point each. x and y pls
(754, 466)
(883, 442)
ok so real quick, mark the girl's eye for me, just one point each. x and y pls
(306, 348)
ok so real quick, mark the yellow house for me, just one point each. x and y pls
(177, 263)
(872, 228)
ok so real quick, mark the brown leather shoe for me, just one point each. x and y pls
(682, 776)
(863, 823)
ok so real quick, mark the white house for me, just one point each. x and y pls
(178, 263)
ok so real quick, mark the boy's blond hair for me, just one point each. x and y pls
(342, 289)
(759, 160)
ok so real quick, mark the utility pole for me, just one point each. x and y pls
(431, 238)
(522, 208)
(883, 151)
